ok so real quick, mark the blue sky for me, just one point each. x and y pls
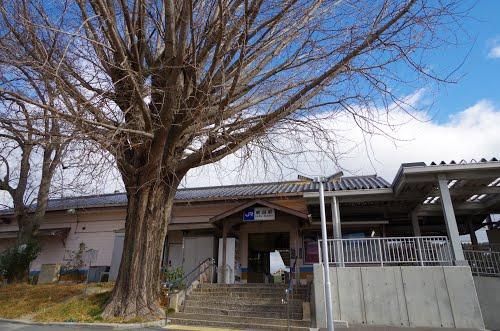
(481, 72)
(462, 122)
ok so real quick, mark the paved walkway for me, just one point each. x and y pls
(6, 326)
(195, 328)
(394, 328)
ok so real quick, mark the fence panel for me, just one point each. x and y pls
(483, 263)
(422, 251)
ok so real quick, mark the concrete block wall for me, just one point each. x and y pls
(400, 296)
(488, 293)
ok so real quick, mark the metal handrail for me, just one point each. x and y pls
(483, 262)
(429, 250)
(180, 280)
(288, 291)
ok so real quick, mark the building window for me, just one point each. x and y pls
(311, 253)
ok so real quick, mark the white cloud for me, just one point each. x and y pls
(470, 134)
(494, 52)
(493, 45)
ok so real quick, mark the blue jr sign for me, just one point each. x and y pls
(258, 214)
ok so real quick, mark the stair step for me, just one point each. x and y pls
(251, 287)
(240, 319)
(245, 297)
(245, 290)
(238, 313)
(247, 301)
(234, 325)
(208, 285)
(245, 307)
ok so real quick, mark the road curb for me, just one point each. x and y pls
(122, 326)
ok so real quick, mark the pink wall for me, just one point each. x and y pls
(94, 228)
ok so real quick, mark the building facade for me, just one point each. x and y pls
(414, 221)
(367, 207)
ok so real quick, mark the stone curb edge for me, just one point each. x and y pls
(122, 326)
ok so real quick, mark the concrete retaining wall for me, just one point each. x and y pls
(488, 293)
(400, 296)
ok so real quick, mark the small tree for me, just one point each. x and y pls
(15, 261)
(31, 149)
(167, 86)
(76, 259)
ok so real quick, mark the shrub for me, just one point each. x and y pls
(15, 261)
(173, 276)
(76, 259)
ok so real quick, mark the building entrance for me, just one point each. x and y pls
(260, 245)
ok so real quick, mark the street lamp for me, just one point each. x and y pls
(324, 246)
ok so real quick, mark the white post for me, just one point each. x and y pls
(451, 222)
(324, 254)
(337, 230)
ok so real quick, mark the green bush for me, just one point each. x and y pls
(173, 276)
(15, 261)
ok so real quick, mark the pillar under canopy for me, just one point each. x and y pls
(451, 222)
(416, 225)
(224, 251)
(337, 232)
(472, 232)
(337, 229)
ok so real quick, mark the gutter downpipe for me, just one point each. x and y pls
(324, 254)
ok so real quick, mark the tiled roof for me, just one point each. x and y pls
(227, 192)
(279, 188)
(453, 162)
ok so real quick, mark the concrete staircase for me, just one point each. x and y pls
(242, 306)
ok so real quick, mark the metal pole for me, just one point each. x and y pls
(324, 251)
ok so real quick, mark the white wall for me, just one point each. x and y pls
(400, 296)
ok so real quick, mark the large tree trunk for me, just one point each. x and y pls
(27, 229)
(137, 289)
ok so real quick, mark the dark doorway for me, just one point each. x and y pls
(260, 245)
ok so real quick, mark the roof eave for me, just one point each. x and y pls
(341, 193)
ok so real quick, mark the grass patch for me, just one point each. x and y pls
(81, 309)
(57, 303)
(19, 300)
(78, 309)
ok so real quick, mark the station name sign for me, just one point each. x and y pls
(259, 214)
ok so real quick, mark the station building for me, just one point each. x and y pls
(415, 220)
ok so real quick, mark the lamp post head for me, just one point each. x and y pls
(323, 179)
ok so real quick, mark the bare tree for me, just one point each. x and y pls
(28, 140)
(167, 86)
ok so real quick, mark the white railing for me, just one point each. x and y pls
(483, 263)
(389, 251)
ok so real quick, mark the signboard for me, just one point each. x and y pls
(258, 214)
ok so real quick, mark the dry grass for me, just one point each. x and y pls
(19, 300)
(81, 309)
(77, 309)
(57, 303)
